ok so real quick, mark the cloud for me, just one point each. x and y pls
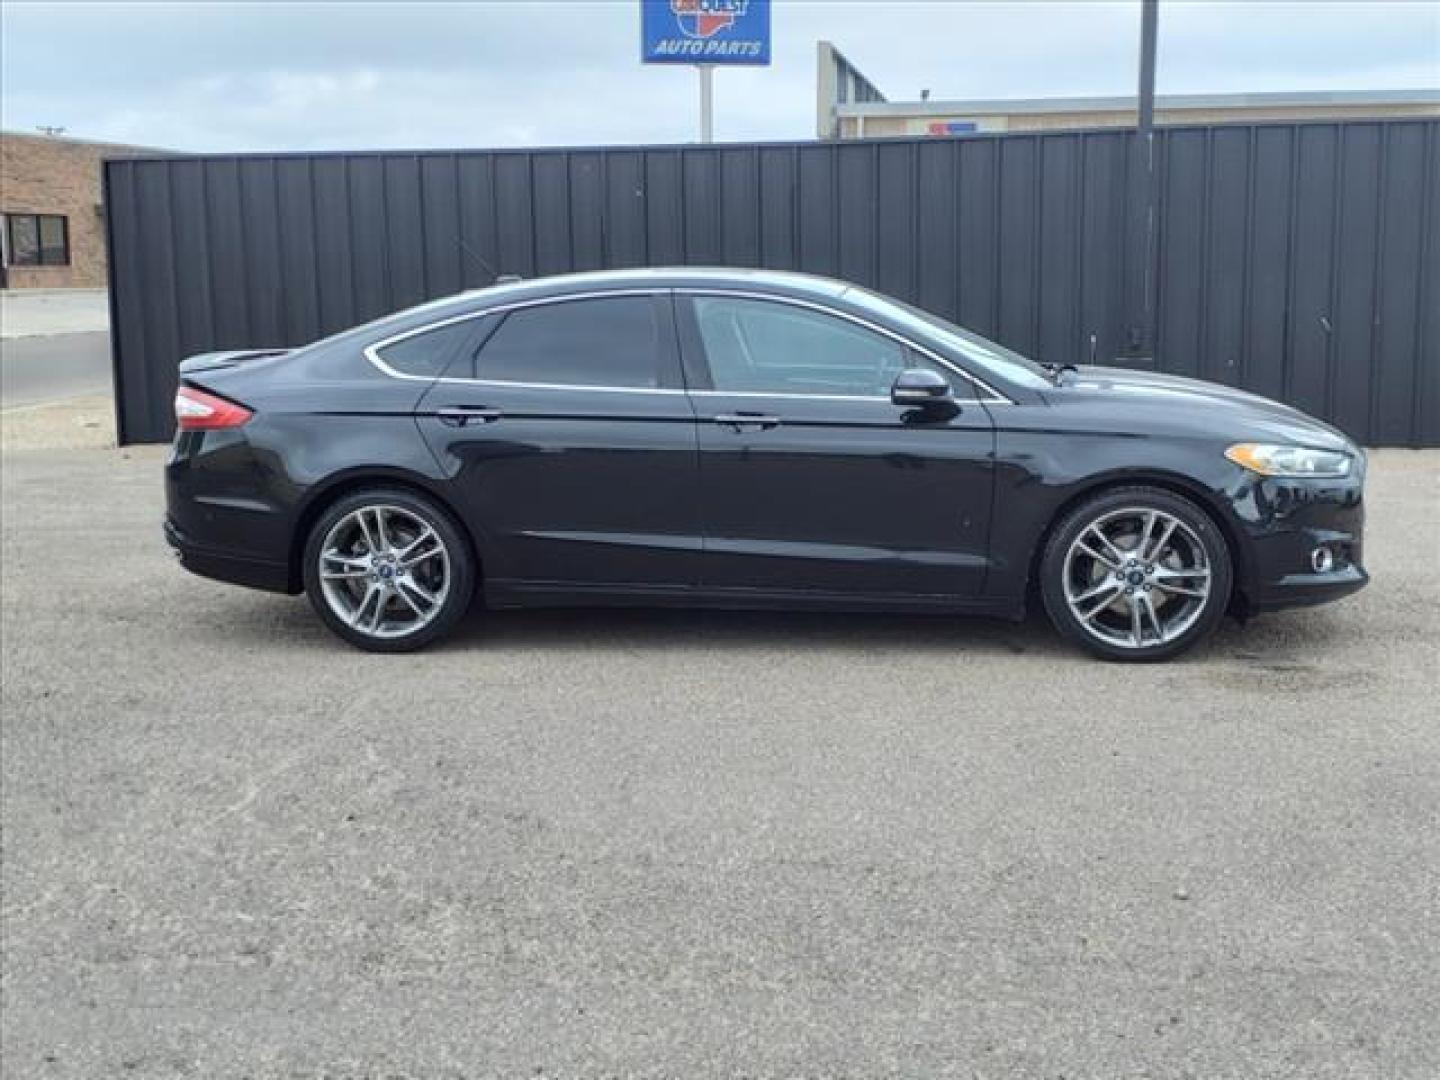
(339, 76)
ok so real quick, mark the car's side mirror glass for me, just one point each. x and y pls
(919, 388)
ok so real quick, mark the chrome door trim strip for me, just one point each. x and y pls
(501, 383)
(781, 394)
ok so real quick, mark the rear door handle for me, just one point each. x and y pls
(456, 416)
(742, 420)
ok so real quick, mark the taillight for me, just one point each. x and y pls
(196, 410)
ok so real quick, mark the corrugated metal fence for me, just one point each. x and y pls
(1296, 260)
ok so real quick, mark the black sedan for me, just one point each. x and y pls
(745, 439)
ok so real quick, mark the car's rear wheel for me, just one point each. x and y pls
(388, 570)
(1136, 573)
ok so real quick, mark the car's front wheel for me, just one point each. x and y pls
(1136, 573)
(388, 570)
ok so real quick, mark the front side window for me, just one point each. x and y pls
(767, 347)
(428, 354)
(37, 240)
(608, 341)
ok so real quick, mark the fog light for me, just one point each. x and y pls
(1322, 560)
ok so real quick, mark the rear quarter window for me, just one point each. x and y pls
(430, 353)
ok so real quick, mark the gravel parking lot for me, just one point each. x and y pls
(668, 844)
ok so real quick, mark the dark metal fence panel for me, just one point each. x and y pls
(1295, 260)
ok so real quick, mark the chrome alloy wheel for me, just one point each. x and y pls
(384, 571)
(1137, 577)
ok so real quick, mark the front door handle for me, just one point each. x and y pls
(739, 421)
(457, 416)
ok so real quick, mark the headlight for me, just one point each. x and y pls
(1291, 461)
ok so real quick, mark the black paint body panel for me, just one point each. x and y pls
(585, 495)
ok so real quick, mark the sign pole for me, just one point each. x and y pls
(707, 102)
(704, 34)
(1145, 144)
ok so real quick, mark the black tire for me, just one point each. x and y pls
(1194, 618)
(458, 562)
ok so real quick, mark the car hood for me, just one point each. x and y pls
(1247, 415)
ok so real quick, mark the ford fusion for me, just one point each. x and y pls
(745, 439)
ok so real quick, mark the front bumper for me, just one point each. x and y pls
(1307, 590)
(1288, 522)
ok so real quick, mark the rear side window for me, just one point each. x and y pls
(611, 341)
(427, 355)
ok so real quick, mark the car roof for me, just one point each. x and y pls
(661, 277)
(475, 301)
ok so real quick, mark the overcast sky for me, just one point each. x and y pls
(272, 76)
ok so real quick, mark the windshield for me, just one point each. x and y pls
(985, 354)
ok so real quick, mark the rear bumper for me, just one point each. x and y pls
(226, 566)
(223, 515)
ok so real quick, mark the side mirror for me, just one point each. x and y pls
(920, 388)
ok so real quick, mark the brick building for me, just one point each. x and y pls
(52, 220)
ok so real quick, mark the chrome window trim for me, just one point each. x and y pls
(558, 386)
(372, 351)
(996, 398)
(784, 394)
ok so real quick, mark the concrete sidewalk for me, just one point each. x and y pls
(37, 312)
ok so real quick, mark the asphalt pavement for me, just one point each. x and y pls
(56, 367)
(603, 844)
(27, 312)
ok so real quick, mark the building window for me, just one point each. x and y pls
(37, 240)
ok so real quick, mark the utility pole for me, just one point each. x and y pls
(1143, 336)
